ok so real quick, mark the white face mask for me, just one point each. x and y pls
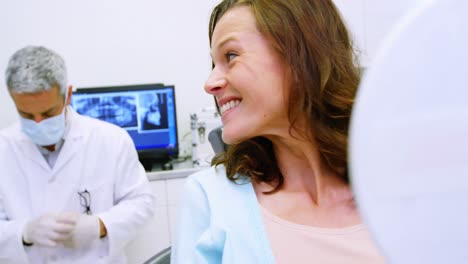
(47, 132)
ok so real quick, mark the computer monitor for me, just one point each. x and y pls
(147, 112)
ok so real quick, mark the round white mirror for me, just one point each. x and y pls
(409, 138)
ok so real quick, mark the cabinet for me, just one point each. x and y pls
(156, 234)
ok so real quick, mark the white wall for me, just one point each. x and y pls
(115, 42)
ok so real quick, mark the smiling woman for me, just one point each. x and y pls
(240, 55)
(284, 80)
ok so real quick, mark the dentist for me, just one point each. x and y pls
(72, 189)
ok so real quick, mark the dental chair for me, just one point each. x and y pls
(216, 140)
(163, 257)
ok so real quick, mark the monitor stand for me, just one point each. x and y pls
(151, 164)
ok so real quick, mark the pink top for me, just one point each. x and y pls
(295, 243)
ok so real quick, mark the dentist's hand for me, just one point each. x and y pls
(87, 230)
(48, 230)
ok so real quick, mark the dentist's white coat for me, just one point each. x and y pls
(96, 156)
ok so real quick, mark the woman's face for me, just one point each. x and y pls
(249, 79)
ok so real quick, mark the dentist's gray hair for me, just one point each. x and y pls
(34, 69)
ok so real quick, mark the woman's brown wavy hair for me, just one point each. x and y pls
(313, 40)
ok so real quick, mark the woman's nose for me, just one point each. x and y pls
(216, 81)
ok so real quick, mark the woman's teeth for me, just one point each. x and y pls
(228, 105)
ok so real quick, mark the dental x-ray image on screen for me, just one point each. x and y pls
(153, 111)
(117, 109)
(147, 112)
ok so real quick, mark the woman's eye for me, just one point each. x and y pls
(230, 56)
